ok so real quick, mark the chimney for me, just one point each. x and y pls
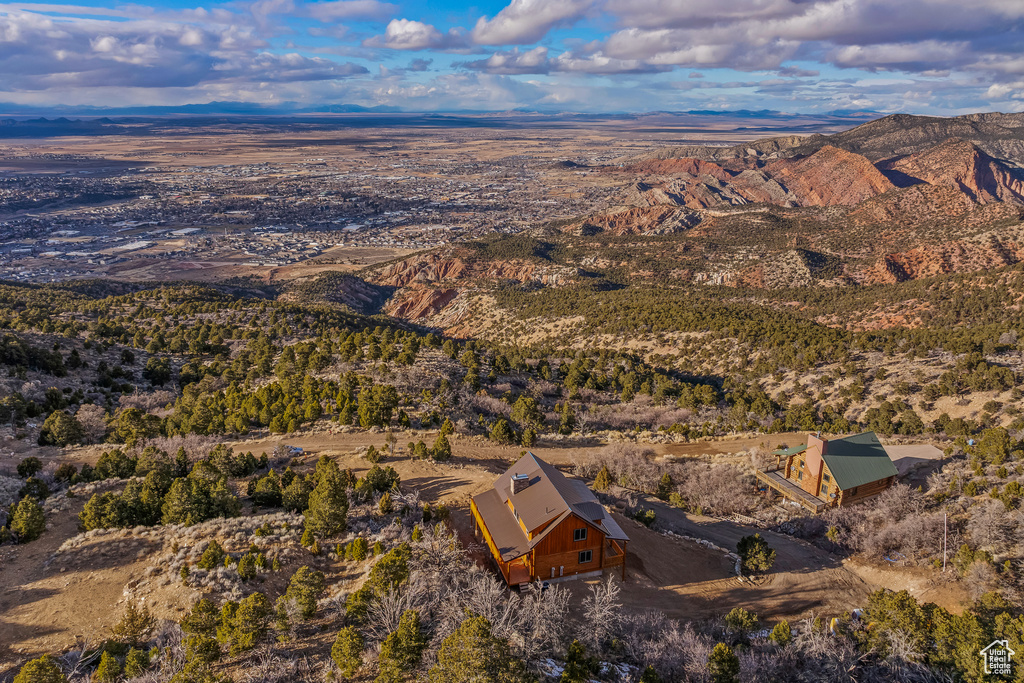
(520, 482)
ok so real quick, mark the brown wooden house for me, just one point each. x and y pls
(539, 524)
(831, 472)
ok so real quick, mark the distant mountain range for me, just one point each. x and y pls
(209, 108)
(896, 199)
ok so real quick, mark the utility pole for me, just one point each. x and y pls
(945, 536)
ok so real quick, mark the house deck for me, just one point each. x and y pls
(784, 486)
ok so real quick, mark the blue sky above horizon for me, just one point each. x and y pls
(802, 56)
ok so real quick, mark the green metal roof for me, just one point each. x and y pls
(857, 460)
(790, 451)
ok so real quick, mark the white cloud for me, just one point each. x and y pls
(40, 53)
(527, 21)
(408, 34)
(336, 10)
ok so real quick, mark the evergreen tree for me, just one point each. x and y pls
(108, 670)
(28, 521)
(306, 587)
(579, 668)
(29, 467)
(442, 450)
(136, 625)
(472, 653)
(136, 662)
(739, 620)
(328, 506)
(42, 670)
(664, 486)
(296, 495)
(503, 433)
(723, 664)
(347, 651)
(212, 557)
(179, 507)
(401, 651)
(650, 676)
(250, 623)
(781, 634)
(603, 480)
(60, 429)
(755, 554)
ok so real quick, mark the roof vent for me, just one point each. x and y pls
(520, 482)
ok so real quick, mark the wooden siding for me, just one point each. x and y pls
(482, 528)
(865, 491)
(558, 550)
(813, 484)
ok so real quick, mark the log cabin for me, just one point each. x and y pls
(831, 472)
(540, 524)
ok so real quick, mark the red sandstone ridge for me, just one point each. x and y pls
(417, 302)
(830, 177)
(431, 267)
(455, 266)
(636, 220)
(959, 164)
(692, 167)
(1000, 247)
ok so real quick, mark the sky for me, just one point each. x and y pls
(940, 57)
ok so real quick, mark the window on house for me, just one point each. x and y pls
(825, 478)
(799, 476)
(579, 534)
(586, 556)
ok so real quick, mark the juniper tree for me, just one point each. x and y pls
(136, 625)
(502, 432)
(328, 506)
(755, 554)
(781, 634)
(135, 663)
(579, 668)
(295, 496)
(250, 623)
(442, 450)
(29, 467)
(212, 557)
(347, 651)
(305, 588)
(42, 670)
(28, 521)
(108, 670)
(401, 651)
(740, 620)
(723, 664)
(472, 653)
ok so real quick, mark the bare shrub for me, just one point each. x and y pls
(917, 536)
(981, 578)
(720, 489)
(94, 423)
(991, 527)
(147, 402)
(601, 610)
(488, 405)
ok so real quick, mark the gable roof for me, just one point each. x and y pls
(549, 499)
(793, 450)
(857, 460)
